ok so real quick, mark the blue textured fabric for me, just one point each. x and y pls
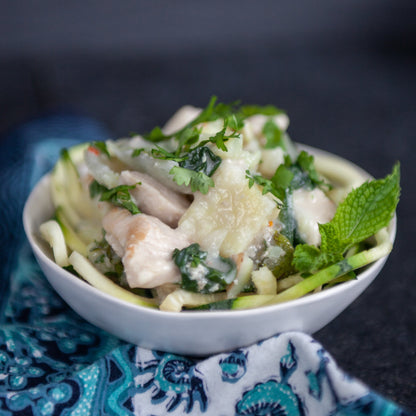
(52, 362)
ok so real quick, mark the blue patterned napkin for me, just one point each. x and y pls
(52, 362)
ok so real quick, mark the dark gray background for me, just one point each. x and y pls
(343, 70)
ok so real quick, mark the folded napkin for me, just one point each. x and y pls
(52, 362)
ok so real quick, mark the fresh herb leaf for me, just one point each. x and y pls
(102, 147)
(195, 167)
(105, 259)
(209, 113)
(186, 138)
(161, 153)
(220, 137)
(364, 211)
(197, 272)
(137, 152)
(305, 161)
(189, 134)
(288, 177)
(268, 110)
(266, 184)
(155, 135)
(96, 189)
(235, 121)
(282, 180)
(197, 180)
(201, 159)
(118, 196)
(215, 111)
(273, 135)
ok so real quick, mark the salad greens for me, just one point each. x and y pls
(214, 209)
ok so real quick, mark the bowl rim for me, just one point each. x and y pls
(42, 186)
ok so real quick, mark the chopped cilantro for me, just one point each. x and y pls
(197, 180)
(267, 185)
(268, 110)
(232, 114)
(119, 196)
(273, 134)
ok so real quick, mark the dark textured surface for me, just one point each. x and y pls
(356, 100)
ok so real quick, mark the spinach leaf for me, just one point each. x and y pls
(201, 159)
(202, 273)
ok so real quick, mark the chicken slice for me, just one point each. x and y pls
(145, 245)
(155, 199)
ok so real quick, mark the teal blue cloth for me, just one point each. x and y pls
(52, 362)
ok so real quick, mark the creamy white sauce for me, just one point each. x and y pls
(310, 208)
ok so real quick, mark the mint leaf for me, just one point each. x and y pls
(364, 211)
(307, 258)
(368, 208)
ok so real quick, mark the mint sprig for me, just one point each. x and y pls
(365, 210)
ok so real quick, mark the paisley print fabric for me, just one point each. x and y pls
(52, 362)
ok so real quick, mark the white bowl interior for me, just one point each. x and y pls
(198, 333)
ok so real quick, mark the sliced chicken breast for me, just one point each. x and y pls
(155, 199)
(145, 245)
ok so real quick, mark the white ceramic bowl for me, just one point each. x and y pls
(193, 333)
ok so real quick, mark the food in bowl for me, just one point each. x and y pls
(219, 209)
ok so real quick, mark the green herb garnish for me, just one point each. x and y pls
(119, 196)
(365, 210)
(198, 274)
